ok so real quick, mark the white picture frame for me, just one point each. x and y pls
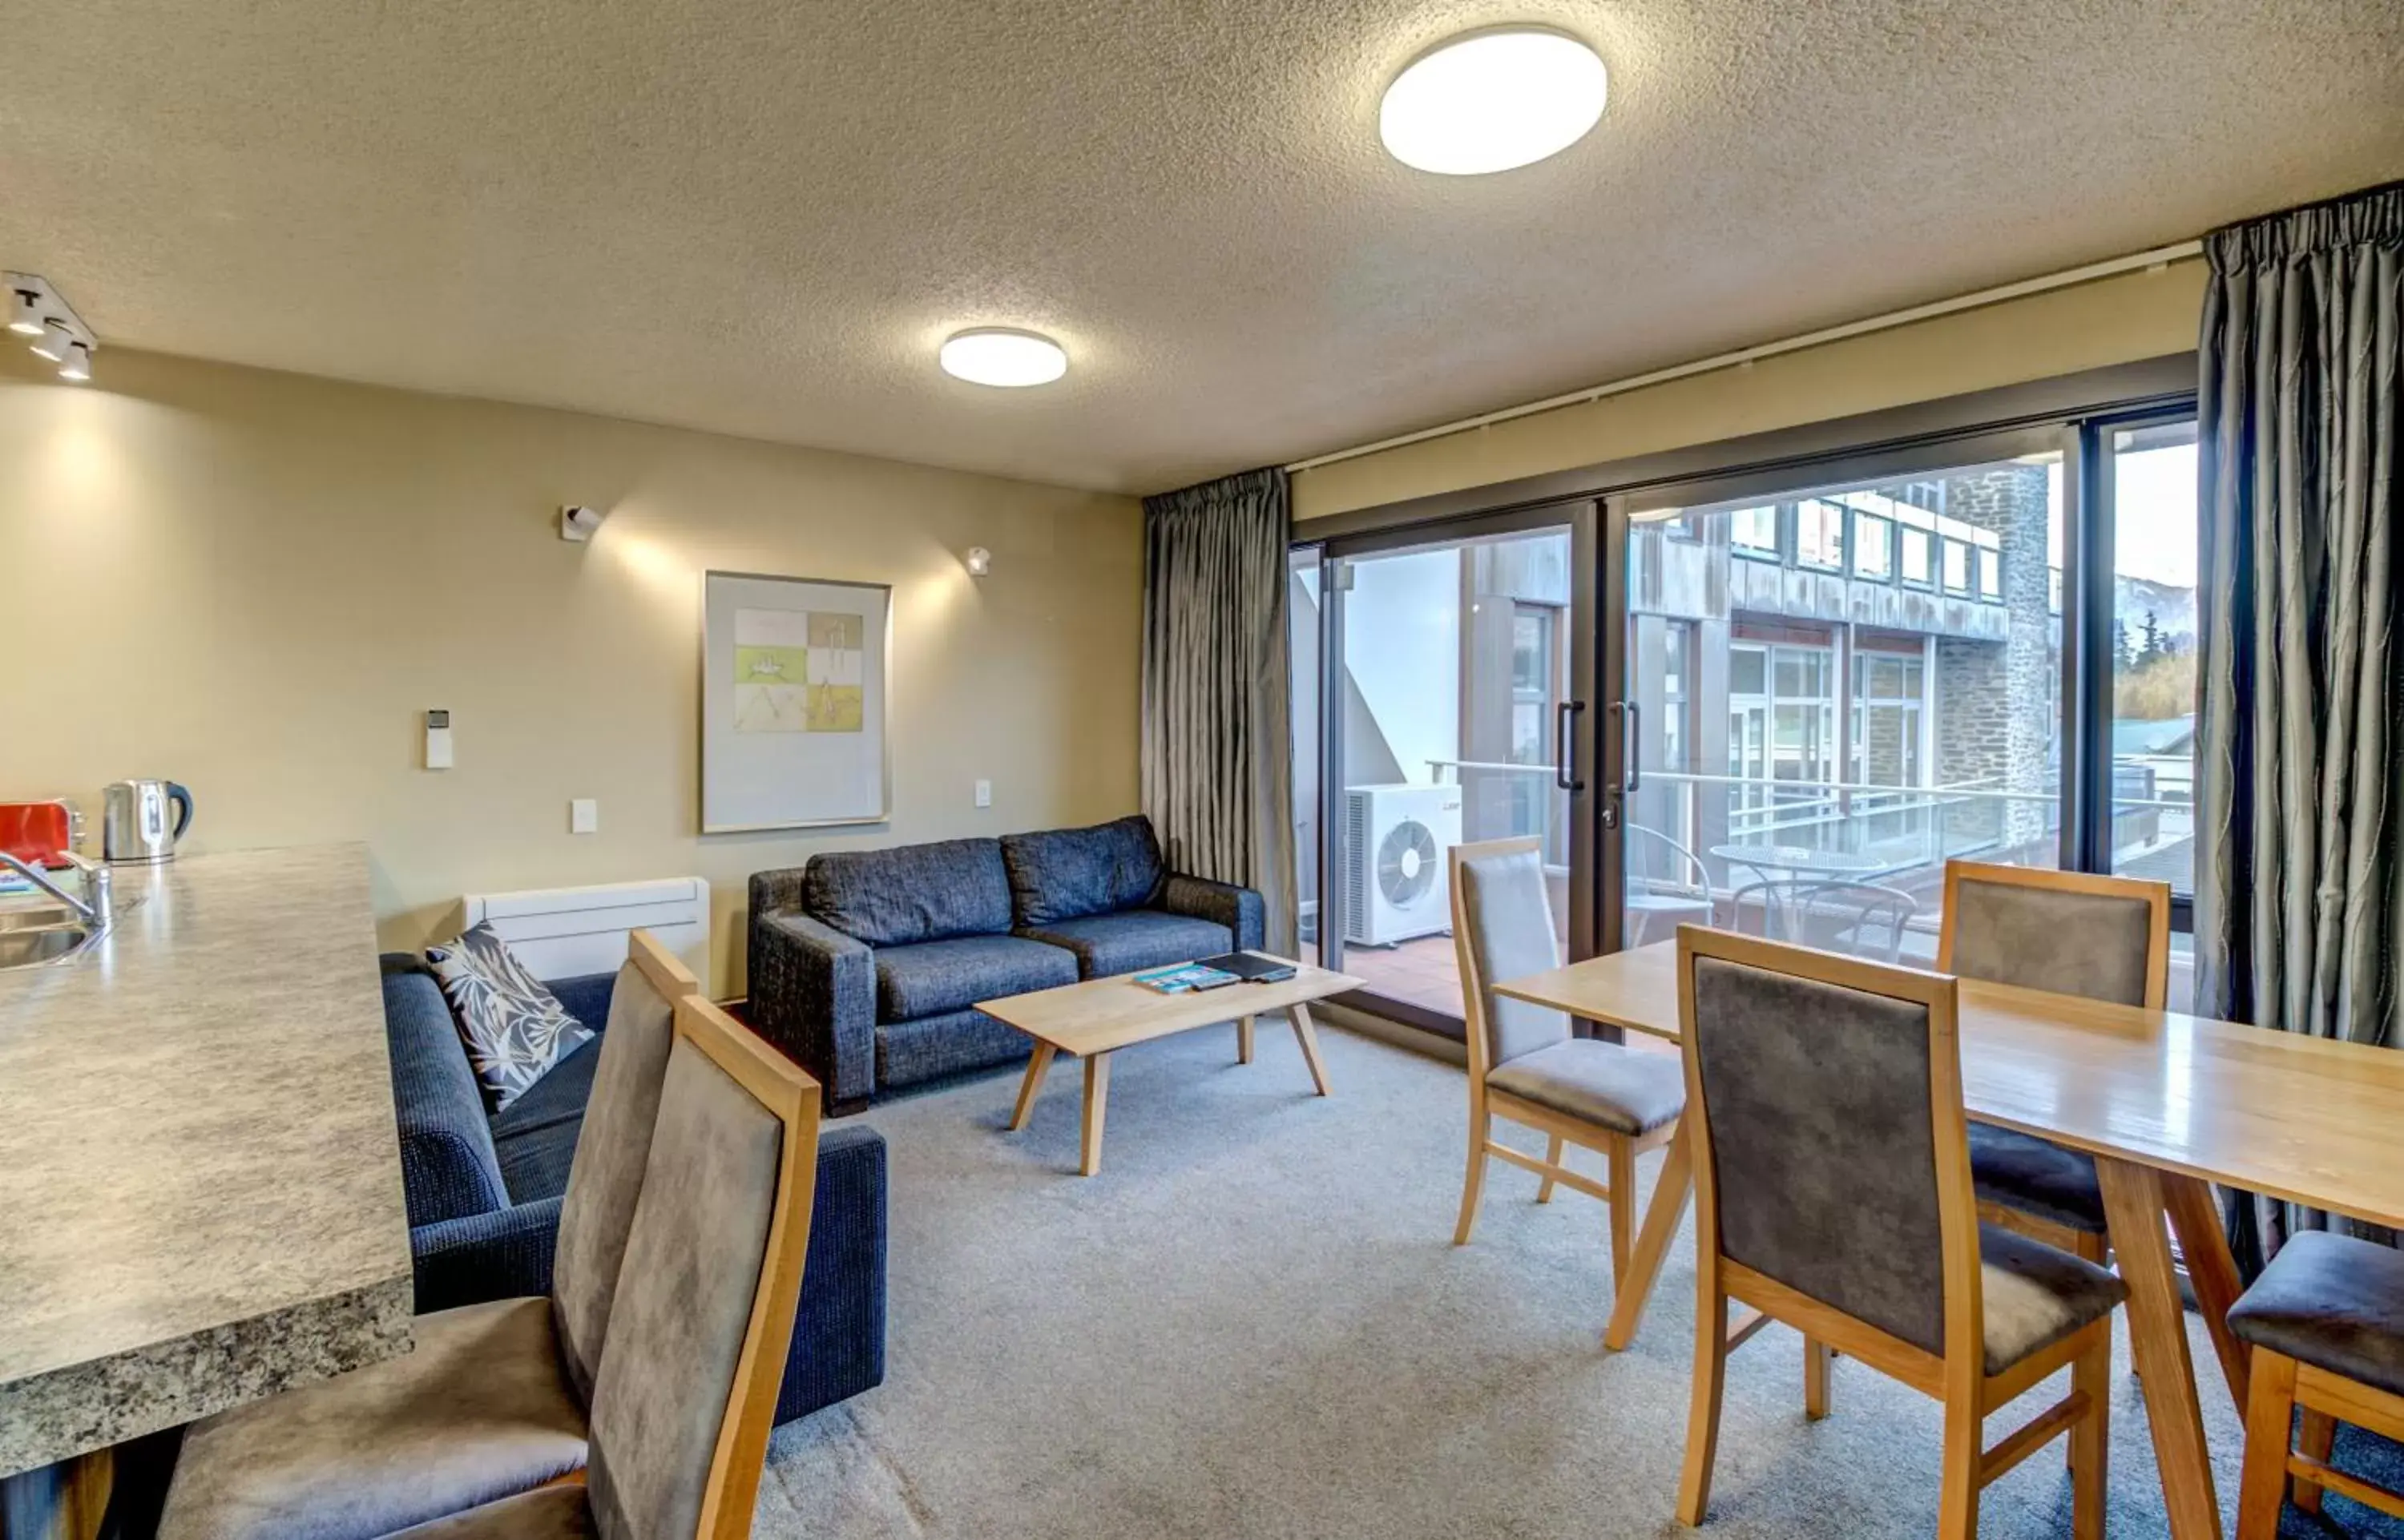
(794, 703)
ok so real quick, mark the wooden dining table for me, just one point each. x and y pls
(2167, 1104)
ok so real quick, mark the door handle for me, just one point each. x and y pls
(1562, 767)
(1631, 742)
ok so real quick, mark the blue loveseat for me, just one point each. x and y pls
(866, 966)
(484, 1192)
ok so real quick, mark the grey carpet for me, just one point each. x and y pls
(1252, 1324)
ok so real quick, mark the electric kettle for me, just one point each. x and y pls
(134, 824)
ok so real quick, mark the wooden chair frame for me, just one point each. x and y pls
(2278, 1388)
(1957, 1377)
(664, 968)
(2156, 896)
(789, 1093)
(1619, 1150)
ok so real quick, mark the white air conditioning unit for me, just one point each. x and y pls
(1397, 838)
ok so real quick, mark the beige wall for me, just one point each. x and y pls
(254, 584)
(2114, 320)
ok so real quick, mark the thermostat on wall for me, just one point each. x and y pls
(438, 740)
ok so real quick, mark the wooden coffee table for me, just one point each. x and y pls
(1093, 1019)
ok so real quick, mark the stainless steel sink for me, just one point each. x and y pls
(32, 934)
(28, 948)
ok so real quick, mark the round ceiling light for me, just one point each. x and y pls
(997, 355)
(1492, 100)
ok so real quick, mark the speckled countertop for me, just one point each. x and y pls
(200, 1180)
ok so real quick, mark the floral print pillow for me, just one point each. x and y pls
(515, 1029)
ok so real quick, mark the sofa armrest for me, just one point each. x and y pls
(504, 1254)
(776, 891)
(1240, 909)
(813, 995)
(839, 1328)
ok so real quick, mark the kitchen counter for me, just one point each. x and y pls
(199, 1171)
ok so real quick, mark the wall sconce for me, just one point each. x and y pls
(577, 523)
(979, 561)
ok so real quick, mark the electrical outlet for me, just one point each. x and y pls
(583, 815)
(985, 793)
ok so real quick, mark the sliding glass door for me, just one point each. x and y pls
(1776, 700)
(1449, 694)
(1835, 679)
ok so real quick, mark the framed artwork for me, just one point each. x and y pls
(793, 703)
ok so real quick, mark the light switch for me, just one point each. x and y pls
(438, 739)
(985, 793)
(583, 815)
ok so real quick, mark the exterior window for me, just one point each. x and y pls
(1890, 694)
(1957, 568)
(1873, 547)
(1753, 532)
(1819, 534)
(1991, 575)
(1674, 670)
(1915, 555)
(1534, 690)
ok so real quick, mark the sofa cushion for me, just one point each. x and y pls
(478, 1412)
(535, 1137)
(911, 892)
(515, 1028)
(908, 1051)
(936, 977)
(1066, 873)
(1132, 939)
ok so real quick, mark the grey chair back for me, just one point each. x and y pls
(704, 1305)
(2073, 934)
(1503, 926)
(597, 1211)
(1821, 1126)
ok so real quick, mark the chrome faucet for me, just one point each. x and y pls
(94, 906)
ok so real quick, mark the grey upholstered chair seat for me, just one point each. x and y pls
(2038, 1177)
(481, 1410)
(555, 1513)
(2332, 1301)
(2036, 1295)
(1624, 1089)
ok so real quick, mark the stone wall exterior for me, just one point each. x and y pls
(1993, 700)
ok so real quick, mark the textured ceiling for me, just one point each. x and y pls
(760, 216)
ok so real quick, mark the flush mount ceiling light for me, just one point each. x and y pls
(1489, 101)
(998, 356)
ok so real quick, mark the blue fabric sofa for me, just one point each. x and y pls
(484, 1192)
(866, 966)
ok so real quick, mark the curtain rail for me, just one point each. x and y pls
(2161, 257)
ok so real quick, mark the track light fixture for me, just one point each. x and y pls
(54, 341)
(37, 310)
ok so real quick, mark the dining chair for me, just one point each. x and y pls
(1832, 1192)
(1684, 894)
(1526, 1065)
(2073, 934)
(492, 1400)
(2326, 1324)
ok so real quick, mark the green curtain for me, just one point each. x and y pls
(2299, 773)
(1218, 734)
